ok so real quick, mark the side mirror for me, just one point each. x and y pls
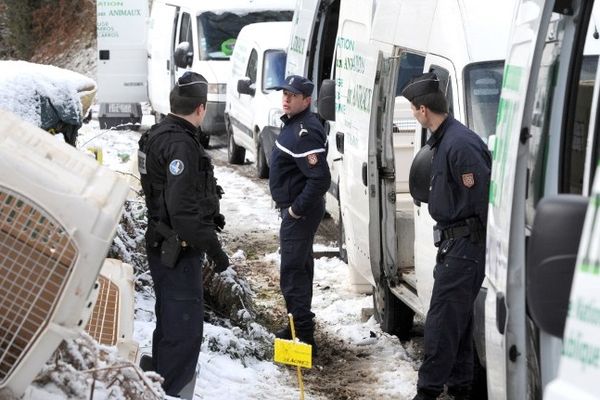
(551, 257)
(326, 100)
(183, 55)
(245, 86)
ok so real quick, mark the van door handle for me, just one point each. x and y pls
(364, 174)
(168, 65)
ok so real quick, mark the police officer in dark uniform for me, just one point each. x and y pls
(183, 215)
(458, 193)
(299, 178)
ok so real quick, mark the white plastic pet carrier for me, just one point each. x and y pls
(111, 322)
(58, 213)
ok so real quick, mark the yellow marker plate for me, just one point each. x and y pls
(293, 353)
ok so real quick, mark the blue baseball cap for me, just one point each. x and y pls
(297, 84)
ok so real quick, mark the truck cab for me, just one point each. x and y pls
(199, 36)
(541, 266)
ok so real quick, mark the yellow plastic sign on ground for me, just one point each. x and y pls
(293, 353)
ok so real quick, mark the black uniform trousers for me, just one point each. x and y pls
(179, 308)
(297, 264)
(448, 344)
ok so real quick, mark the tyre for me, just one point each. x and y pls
(262, 169)
(204, 140)
(395, 317)
(235, 153)
(158, 117)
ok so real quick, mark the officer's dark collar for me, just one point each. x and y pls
(184, 123)
(286, 120)
(438, 134)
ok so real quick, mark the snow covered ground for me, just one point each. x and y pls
(366, 364)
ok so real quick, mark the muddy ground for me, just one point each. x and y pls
(341, 371)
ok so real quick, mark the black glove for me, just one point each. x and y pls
(220, 261)
(220, 191)
(219, 221)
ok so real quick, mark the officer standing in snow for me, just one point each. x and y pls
(299, 178)
(457, 187)
(183, 216)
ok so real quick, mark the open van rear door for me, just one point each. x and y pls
(357, 64)
(122, 72)
(301, 36)
(505, 260)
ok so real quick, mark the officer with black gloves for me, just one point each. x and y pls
(299, 178)
(457, 186)
(183, 215)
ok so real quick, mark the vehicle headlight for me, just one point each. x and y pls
(217, 88)
(275, 115)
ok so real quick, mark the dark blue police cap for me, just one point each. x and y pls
(191, 85)
(297, 84)
(421, 85)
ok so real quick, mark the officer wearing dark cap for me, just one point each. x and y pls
(183, 216)
(299, 178)
(457, 187)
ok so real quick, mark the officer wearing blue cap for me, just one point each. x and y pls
(183, 216)
(299, 178)
(457, 184)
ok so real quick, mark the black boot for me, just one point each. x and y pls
(284, 333)
(460, 392)
(146, 363)
(424, 394)
(308, 338)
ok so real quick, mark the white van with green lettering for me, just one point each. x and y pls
(389, 241)
(546, 152)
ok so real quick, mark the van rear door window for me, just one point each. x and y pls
(217, 32)
(483, 82)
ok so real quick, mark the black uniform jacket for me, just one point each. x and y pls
(178, 182)
(299, 173)
(460, 174)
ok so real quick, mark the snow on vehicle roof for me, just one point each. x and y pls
(23, 84)
(268, 34)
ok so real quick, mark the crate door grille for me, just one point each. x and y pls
(104, 322)
(36, 259)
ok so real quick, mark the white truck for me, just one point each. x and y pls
(181, 35)
(541, 270)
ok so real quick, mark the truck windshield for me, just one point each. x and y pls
(274, 69)
(483, 82)
(217, 31)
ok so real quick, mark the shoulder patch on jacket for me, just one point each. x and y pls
(312, 159)
(468, 180)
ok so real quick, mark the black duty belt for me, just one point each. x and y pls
(471, 227)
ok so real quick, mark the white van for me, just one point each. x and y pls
(389, 239)
(200, 36)
(542, 327)
(252, 107)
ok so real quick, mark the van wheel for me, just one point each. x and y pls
(341, 239)
(235, 154)
(395, 317)
(204, 140)
(158, 117)
(262, 169)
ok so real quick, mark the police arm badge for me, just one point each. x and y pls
(312, 159)
(468, 180)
